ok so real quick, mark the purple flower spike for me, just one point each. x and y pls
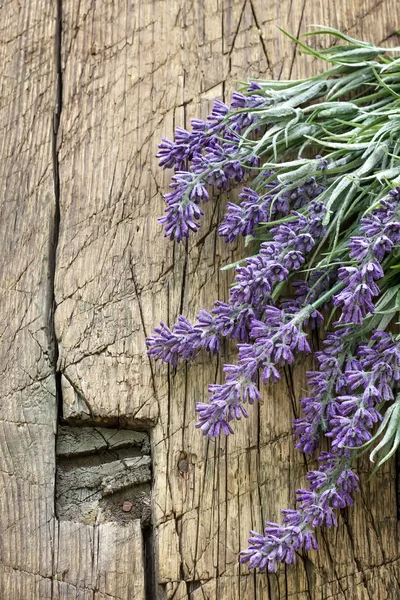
(226, 403)
(325, 384)
(382, 231)
(356, 298)
(242, 219)
(330, 488)
(184, 340)
(274, 343)
(291, 242)
(183, 212)
(254, 209)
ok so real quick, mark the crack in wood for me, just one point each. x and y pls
(53, 242)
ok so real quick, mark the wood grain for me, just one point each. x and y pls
(27, 385)
(130, 71)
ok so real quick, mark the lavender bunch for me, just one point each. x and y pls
(322, 241)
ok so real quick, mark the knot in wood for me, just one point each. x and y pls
(183, 465)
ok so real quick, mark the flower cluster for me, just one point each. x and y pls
(224, 121)
(274, 343)
(272, 204)
(249, 295)
(185, 340)
(183, 211)
(381, 231)
(368, 379)
(291, 242)
(325, 384)
(213, 149)
(335, 408)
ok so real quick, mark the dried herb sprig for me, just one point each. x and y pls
(330, 227)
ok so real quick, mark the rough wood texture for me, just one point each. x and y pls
(129, 71)
(98, 563)
(27, 385)
(40, 559)
(103, 475)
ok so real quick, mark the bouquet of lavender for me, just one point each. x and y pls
(324, 233)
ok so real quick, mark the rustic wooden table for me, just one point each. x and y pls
(88, 87)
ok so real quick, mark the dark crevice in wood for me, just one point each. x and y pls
(59, 397)
(53, 242)
(115, 422)
(150, 582)
(54, 236)
(152, 590)
(56, 179)
(397, 483)
(310, 576)
(192, 586)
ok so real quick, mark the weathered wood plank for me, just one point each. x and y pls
(31, 565)
(132, 72)
(27, 385)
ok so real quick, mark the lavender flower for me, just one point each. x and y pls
(217, 158)
(345, 391)
(239, 121)
(370, 380)
(331, 487)
(226, 403)
(325, 384)
(255, 208)
(356, 299)
(187, 144)
(183, 212)
(222, 163)
(275, 342)
(292, 241)
(353, 270)
(234, 320)
(242, 219)
(214, 162)
(218, 166)
(222, 122)
(185, 340)
(381, 230)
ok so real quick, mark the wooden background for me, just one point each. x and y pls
(87, 88)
